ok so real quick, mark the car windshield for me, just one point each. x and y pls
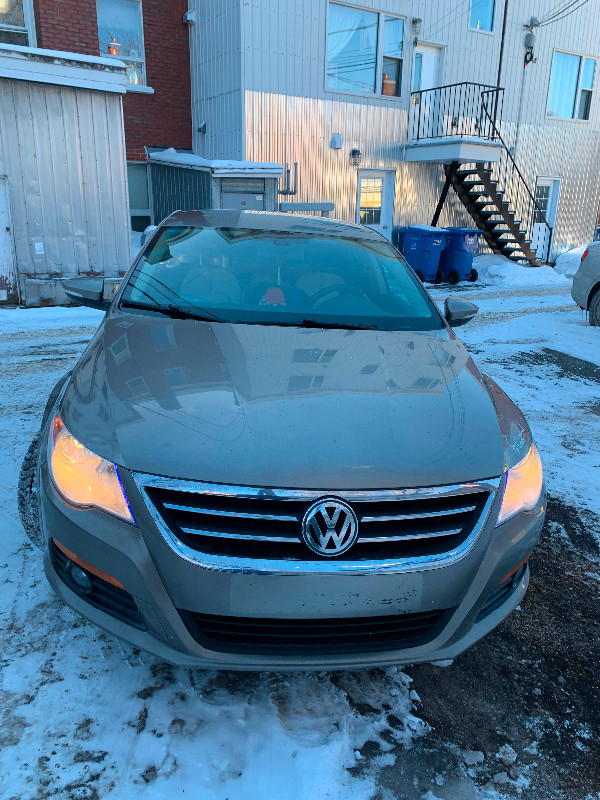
(282, 278)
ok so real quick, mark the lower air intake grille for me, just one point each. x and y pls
(501, 594)
(288, 637)
(103, 596)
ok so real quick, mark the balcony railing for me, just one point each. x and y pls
(456, 110)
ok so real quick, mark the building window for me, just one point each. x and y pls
(391, 78)
(371, 193)
(16, 22)
(482, 15)
(139, 197)
(364, 51)
(571, 85)
(120, 35)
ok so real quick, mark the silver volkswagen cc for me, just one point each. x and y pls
(276, 454)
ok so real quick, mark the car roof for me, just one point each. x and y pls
(270, 221)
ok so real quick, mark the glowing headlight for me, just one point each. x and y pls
(523, 486)
(82, 477)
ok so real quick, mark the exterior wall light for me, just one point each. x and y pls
(417, 24)
(355, 157)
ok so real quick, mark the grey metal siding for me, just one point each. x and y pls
(325, 174)
(178, 189)
(217, 96)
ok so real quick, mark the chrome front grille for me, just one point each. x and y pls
(240, 527)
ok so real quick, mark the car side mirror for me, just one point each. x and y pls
(87, 292)
(458, 312)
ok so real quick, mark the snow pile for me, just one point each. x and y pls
(568, 263)
(228, 166)
(136, 243)
(501, 271)
(53, 321)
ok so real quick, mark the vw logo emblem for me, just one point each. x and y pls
(329, 527)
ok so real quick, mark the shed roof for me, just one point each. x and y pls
(62, 68)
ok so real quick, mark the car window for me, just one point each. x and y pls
(258, 276)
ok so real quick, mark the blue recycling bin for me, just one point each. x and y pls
(456, 260)
(421, 246)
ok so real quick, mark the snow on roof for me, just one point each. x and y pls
(62, 68)
(218, 167)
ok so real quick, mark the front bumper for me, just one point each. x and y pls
(161, 582)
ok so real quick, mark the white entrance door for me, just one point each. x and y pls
(8, 270)
(427, 68)
(546, 197)
(375, 206)
(427, 74)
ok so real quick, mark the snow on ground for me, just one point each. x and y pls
(84, 716)
(520, 338)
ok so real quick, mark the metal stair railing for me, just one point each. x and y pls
(512, 184)
(454, 110)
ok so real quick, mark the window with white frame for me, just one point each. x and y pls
(120, 35)
(571, 86)
(16, 22)
(482, 15)
(364, 51)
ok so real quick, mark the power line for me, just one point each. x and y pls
(564, 16)
(435, 29)
(555, 13)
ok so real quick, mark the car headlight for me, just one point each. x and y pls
(523, 476)
(82, 477)
(523, 486)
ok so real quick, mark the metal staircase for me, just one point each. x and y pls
(503, 232)
(458, 125)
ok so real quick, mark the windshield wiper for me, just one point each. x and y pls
(174, 311)
(347, 326)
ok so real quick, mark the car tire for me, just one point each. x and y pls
(473, 275)
(594, 309)
(453, 277)
(27, 497)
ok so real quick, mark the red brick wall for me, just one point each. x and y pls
(67, 25)
(162, 119)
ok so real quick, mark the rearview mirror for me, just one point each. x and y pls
(87, 292)
(458, 312)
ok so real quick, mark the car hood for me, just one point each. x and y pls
(283, 406)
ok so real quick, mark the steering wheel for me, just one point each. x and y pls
(339, 289)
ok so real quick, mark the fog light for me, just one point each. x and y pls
(80, 578)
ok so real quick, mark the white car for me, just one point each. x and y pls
(586, 283)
